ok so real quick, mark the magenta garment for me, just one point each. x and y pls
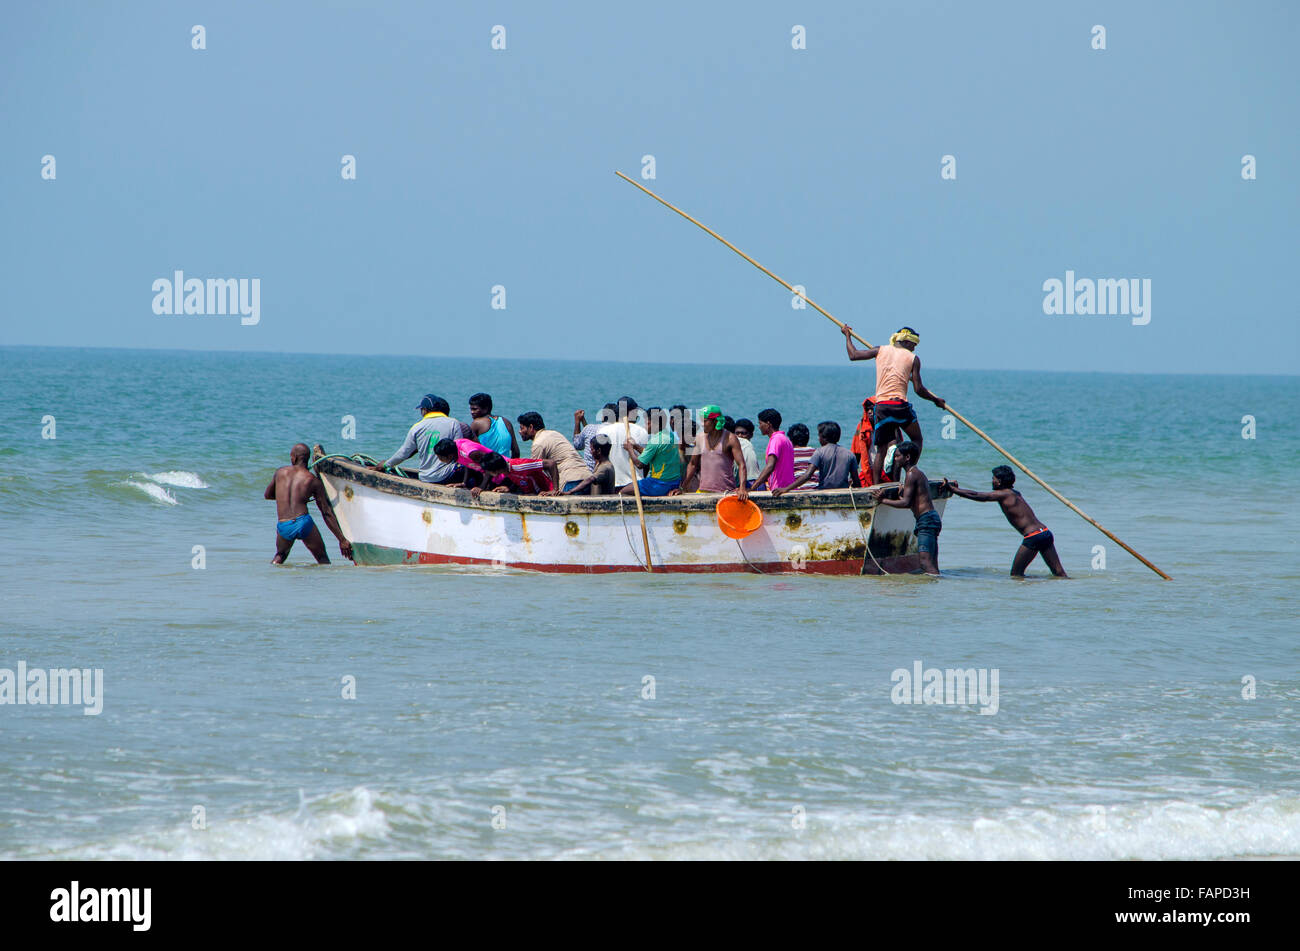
(779, 445)
(464, 447)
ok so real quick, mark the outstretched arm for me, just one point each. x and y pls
(803, 477)
(327, 513)
(580, 489)
(971, 494)
(921, 391)
(406, 451)
(854, 352)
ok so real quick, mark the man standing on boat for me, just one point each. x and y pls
(433, 426)
(1035, 536)
(914, 494)
(897, 365)
(292, 487)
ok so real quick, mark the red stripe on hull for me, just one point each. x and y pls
(901, 565)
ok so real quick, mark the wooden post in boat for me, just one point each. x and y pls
(839, 323)
(636, 490)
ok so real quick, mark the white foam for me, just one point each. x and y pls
(357, 824)
(184, 480)
(1175, 830)
(325, 827)
(154, 491)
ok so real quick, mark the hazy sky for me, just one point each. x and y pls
(478, 167)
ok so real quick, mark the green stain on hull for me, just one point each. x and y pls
(364, 553)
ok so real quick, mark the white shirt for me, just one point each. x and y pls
(617, 454)
(752, 467)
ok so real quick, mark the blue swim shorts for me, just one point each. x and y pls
(653, 487)
(295, 528)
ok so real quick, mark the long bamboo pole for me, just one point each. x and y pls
(979, 432)
(636, 490)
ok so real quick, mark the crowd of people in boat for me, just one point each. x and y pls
(667, 450)
(659, 452)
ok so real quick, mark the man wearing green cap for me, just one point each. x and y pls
(717, 457)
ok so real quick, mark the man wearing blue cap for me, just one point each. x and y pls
(434, 424)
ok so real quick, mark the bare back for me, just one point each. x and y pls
(294, 488)
(1017, 511)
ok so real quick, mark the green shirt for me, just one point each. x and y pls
(661, 456)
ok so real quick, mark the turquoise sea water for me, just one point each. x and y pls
(1121, 729)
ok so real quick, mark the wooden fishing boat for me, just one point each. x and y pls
(392, 519)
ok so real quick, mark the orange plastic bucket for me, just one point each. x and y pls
(738, 519)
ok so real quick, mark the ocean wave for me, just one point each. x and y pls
(154, 491)
(376, 825)
(178, 478)
(1172, 830)
(332, 826)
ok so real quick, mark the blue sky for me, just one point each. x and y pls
(478, 167)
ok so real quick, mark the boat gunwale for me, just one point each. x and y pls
(860, 499)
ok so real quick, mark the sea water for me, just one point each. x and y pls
(252, 711)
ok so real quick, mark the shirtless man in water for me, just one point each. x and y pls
(914, 494)
(1035, 535)
(293, 486)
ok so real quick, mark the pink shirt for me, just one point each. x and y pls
(779, 445)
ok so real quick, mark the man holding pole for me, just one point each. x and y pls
(897, 365)
(658, 457)
(905, 339)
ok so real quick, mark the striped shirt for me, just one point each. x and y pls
(802, 460)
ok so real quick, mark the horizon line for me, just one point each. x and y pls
(479, 357)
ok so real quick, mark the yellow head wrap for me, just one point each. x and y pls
(905, 333)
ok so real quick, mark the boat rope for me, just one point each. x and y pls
(626, 532)
(866, 542)
(741, 549)
(360, 458)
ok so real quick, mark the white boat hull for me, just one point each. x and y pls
(392, 520)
